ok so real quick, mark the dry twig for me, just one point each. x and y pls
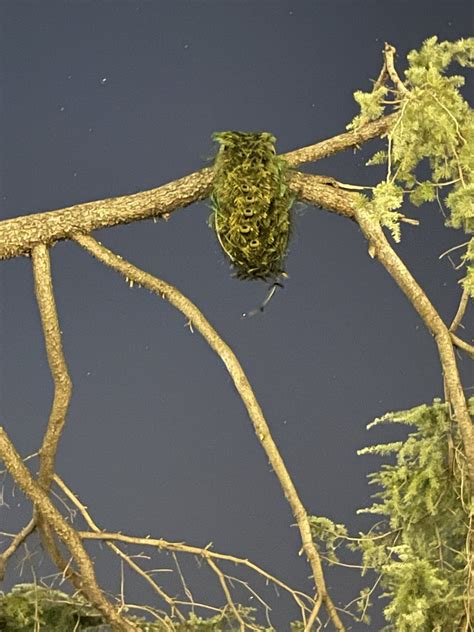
(194, 316)
(64, 531)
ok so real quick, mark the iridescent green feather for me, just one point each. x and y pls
(251, 204)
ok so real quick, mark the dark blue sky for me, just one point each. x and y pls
(100, 99)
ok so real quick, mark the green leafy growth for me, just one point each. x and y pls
(371, 106)
(434, 129)
(386, 198)
(419, 549)
(329, 535)
(379, 158)
(30, 607)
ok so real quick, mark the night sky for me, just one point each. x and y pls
(100, 99)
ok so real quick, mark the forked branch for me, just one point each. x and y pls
(197, 320)
(18, 236)
(64, 531)
(301, 599)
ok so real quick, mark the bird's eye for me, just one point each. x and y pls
(245, 187)
(254, 243)
(244, 229)
(248, 212)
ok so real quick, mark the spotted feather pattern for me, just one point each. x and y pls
(251, 204)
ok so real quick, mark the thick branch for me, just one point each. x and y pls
(19, 235)
(338, 143)
(400, 273)
(195, 317)
(65, 532)
(62, 395)
(56, 361)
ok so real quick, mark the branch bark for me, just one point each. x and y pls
(65, 532)
(380, 248)
(244, 389)
(62, 396)
(18, 236)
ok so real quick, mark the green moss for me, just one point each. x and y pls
(251, 204)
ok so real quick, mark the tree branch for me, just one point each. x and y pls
(195, 317)
(379, 247)
(462, 344)
(19, 235)
(65, 532)
(180, 547)
(15, 544)
(341, 142)
(56, 360)
(62, 396)
(389, 56)
(460, 311)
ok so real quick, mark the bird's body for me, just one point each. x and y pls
(251, 204)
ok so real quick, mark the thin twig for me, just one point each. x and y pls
(389, 56)
(88, 519)
(228, 596)
(461, 344)
(15, 544)
(460, 311)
